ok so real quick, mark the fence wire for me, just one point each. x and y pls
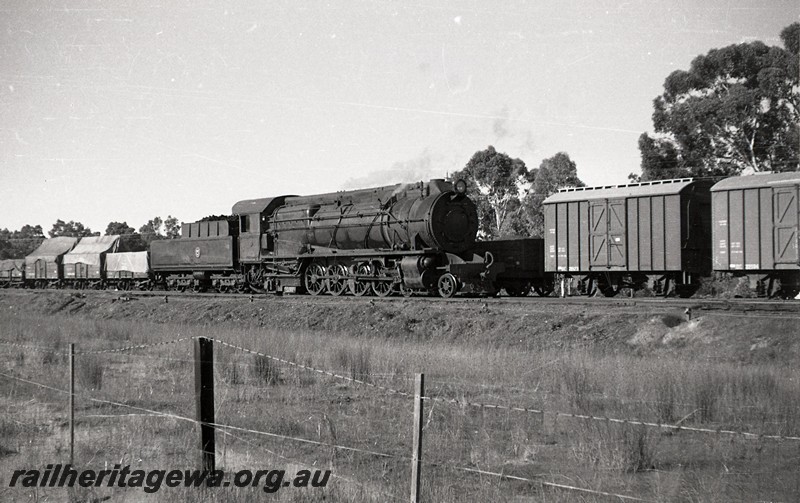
(224, 427)
(452, 401)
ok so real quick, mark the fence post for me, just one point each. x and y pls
(71, 403)
(204, 398)
(416, 455)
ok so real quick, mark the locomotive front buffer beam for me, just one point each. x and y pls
(450, 274)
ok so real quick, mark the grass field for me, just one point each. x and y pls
(265, 395)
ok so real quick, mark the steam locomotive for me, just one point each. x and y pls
(407, 237)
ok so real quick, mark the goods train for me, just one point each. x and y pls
(420, 238)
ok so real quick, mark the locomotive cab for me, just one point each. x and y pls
(255, 239)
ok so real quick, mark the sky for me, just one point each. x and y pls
(126, 110)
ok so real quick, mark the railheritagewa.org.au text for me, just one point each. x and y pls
(151, 481)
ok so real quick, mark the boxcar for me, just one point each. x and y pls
(84, 264)
(43, 267)
(129, 270)
(652, 234)
(755, 230)
(12, 272)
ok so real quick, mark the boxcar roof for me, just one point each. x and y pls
(756, 181)
(52, 247)
(644, 189)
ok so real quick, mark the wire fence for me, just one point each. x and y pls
(138, 411)
(451, 401)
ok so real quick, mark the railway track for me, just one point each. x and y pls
(697, 305)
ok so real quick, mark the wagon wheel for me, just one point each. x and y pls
(518, 289)
(686, 291)
(337, 282)
(610, 291)
(360, 287)
(315, 278)
(405, 291)
(543, 291)
(382, 288)
(605, 287)
(448, 285)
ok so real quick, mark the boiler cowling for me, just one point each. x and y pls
(398, 217)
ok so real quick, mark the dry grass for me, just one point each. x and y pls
(262, 394)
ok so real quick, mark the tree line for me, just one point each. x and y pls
(22, 242)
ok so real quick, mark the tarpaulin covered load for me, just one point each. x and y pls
(12, 265)
(126, 265)
(11, 268)
(43, 263)
(86, 259)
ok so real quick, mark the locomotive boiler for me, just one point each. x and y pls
(401, 217)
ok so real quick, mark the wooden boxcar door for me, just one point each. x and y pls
(785, 225)
(40, 269)
(598, 234)
(616, 233)
(607, 233)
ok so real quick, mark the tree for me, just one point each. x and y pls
(130, 240)
(554, 173)
(735, 110)
(210, 218)
(660, 161)
(19, 244)
(30, 232)
(151, 231)
(71, 228)
(496, 182)
(172, 227)
(119, 229)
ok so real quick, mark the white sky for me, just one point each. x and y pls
(124, 110)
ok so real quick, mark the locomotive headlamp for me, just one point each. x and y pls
(461, 187)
